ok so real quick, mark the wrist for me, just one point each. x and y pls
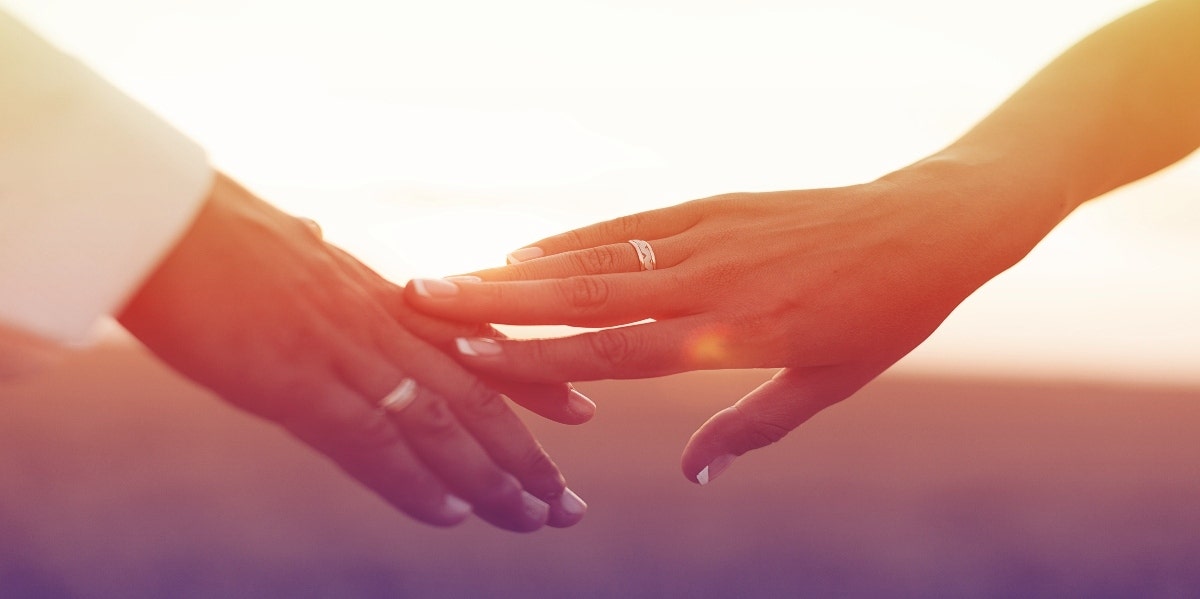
(988, 215)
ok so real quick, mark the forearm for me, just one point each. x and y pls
(1119, 105)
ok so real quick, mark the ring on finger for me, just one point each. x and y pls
(399, 398)
(645, 253)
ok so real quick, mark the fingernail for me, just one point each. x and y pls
(477, 346)
(535, 508)
(714, 469)
(524, 254)
(465, 279)
(454, 507)
(579, 403)
(572, 503)
(435, 288)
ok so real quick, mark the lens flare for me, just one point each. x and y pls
(709, 347)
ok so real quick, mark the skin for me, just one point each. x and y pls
(254, 305)
(836, 285)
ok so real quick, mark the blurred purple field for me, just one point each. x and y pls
(118, 480)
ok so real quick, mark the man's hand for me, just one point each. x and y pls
(255, 306)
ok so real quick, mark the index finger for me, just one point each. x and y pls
(586, 301)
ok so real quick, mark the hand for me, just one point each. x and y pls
(254, 305)
(835, 285)
(556, 401)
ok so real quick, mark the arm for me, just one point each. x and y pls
(106, 209)
(1119, 105)
(94, 189)
(255, 306)
(836, 285)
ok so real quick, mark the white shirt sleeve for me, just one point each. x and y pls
(94, 190)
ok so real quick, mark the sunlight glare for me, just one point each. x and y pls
(458, 239)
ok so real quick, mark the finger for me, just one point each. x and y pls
(335, 421)
(602, 259)
(493, 426)
(391, 297)
(556, 401)
(653, 224)
(434, 432)
(639, 351)
(591, 301)
(560, 402)
(767, 414)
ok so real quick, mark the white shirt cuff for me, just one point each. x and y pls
(94, 190)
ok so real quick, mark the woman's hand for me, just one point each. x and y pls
(252, 304)
(834, 285)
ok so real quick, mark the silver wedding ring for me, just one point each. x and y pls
(645, 253)
(400, 397)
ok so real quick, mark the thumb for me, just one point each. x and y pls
(767, 414)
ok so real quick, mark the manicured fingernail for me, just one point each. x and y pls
(454, 507)
(477, 346)
(713, 470)
(435, 288)
(579, 403)
(465, 279)
(572, 503)
(535, 508)
(524, 254)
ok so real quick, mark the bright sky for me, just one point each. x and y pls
(433, 137)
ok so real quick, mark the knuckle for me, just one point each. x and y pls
(344, 429)
(584, 293)
(536, 352)
(536, 464)
(575, 239)
(628, 226)
(432, 418)
(595, 260)
(624, 227)
(765, 432)
(520, 271)
(614, 348)
(481, 403)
